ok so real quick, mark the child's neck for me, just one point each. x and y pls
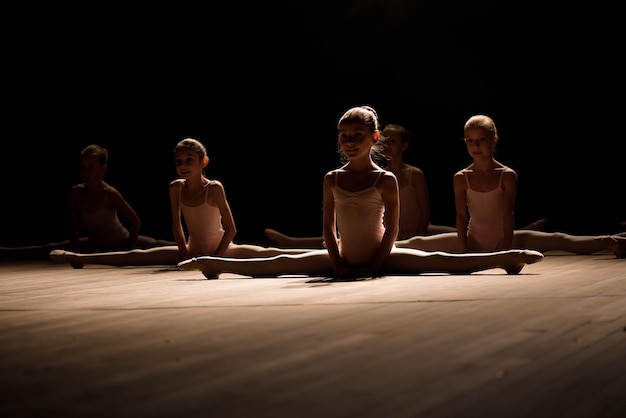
(364, 164)
(484, 166)
(95, 185)
(196, 183)
(395, 165)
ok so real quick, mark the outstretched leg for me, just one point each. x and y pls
(401, 261)
(559, 241)
(286, 241)
(31, 252)
(446, 241)
(410, 261)
(167, 255)
(144, 241)
(537, 225)
(253, 251)
(312, 263)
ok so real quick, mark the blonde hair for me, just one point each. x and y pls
(481, 121)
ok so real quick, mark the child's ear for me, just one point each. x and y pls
(205, 161)
(376, 136)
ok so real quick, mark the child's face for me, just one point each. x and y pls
(393, 146)
(91, 169)
(355, 138)
(188, 163)
(479, 141)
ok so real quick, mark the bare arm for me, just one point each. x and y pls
(462, 214)
(329, 227)
(218, 195)
(177, 224)
(391, 201)
(129, 214)
(509, 185)
(423, 200)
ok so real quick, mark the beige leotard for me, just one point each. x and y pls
(359, 222)
(204, 226)
(104, 229)
(485, 229)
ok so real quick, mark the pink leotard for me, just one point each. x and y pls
(204, 226)
(485, 228)
(104, 228)
(359, 222)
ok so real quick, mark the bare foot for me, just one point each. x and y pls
(520, 259)
(65, 257)
(203, 266)
(615, 243)
(59, 256)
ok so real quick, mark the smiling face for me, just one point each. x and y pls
(356, 139)
(188, 163)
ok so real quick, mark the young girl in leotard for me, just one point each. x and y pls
(198, 202)
(485, 193)
(413, 190)
(95, 207)
(360, 224)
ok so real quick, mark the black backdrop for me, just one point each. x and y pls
(262, 85)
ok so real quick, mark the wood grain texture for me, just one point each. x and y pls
(158, 342)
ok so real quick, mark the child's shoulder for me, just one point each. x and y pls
(332, 173)
(215, 184)
(413, 168)
(507, 172)
(508, 169)
(177, 183)
(387, 178)
(415, 173)
(107, 187)
(386, 173)
(509, 175)
(462, 172)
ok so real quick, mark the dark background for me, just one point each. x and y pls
(263, 84)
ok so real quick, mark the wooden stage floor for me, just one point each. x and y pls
(157, 342)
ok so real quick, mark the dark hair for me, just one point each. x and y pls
(404, 133)
(97, 151)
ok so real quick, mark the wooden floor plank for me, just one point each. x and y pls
(154, 341)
